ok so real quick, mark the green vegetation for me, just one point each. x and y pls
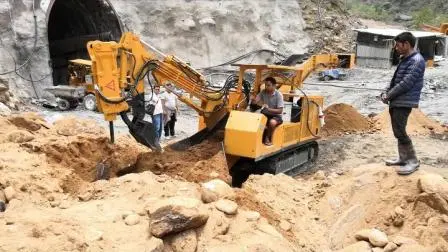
(432, 12)
(375, 11)
(428, 16)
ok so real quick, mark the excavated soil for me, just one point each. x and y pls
(198, 163)
(51, 168)
(342, 119)
(418, 123)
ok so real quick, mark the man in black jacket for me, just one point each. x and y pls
(402, 95)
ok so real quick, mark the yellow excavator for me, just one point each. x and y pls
(119, 71)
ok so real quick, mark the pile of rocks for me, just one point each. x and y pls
(377, 241)
(330, 25)
(7, 100)
(181, 223)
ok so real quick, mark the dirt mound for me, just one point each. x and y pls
(418, 123)
(199, 163)
(79, 146)
(325, 212)
(342, 118)
(72, 126)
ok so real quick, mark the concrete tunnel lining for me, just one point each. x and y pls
(71, 24)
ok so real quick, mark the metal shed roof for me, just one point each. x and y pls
(395, 32)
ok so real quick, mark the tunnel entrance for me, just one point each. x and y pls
(71, 24)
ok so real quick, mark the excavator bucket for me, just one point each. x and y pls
(199, 136)
(143, 131)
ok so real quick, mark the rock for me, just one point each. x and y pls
(398, 221)
(285, 226)
(412, 248)
(213, 175)
(403, 17)
(319, 175)
(176, 214)
(252, 216)
(361, 246)
(94, 235)
(25, 122)
(64, 204)
(377, 250)
(85, 196)
(19, 136)
(399, 211)
(227, 206)
(345, 224)
(435, 201)
(217, 225)
(10, 193)
(207, 21)
(216, 189)
(132, 219)
(4, 110)
(55, 203)
(390, 247)
(155, 245)
(126, 214)
(400, 240)
(445, 218)
(363, 235)
(378, 238)
(433, 183)
(184, 242)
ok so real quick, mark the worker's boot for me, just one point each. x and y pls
(401, 159)
(412, 163)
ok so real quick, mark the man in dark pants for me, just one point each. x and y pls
(271, 102)
(402, 95)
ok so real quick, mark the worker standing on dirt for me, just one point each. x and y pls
(402, 95)
(169, 101)
(271, 102)
(155, 109)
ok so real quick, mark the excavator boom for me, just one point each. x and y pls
(119, 71)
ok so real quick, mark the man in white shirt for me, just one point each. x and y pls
(169, 101)
(157, 115)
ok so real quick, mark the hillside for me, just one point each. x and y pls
(411, 13)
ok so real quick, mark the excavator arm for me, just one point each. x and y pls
(119, 71)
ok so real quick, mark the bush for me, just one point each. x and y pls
(376, 12)
(428, 16)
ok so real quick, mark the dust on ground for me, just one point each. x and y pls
(51, 170)
(199, 163)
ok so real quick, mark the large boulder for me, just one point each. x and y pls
(176, 214)
(184, 242)
(434, 183)
(216, 189)
(226, 206)
(374, 236)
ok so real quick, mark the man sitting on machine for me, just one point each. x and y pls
(271, 102)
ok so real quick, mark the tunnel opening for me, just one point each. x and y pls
(70, 25)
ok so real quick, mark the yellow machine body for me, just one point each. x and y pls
(116, 69)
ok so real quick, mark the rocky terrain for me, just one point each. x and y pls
(181, 201)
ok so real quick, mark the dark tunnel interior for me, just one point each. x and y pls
(71, 24)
